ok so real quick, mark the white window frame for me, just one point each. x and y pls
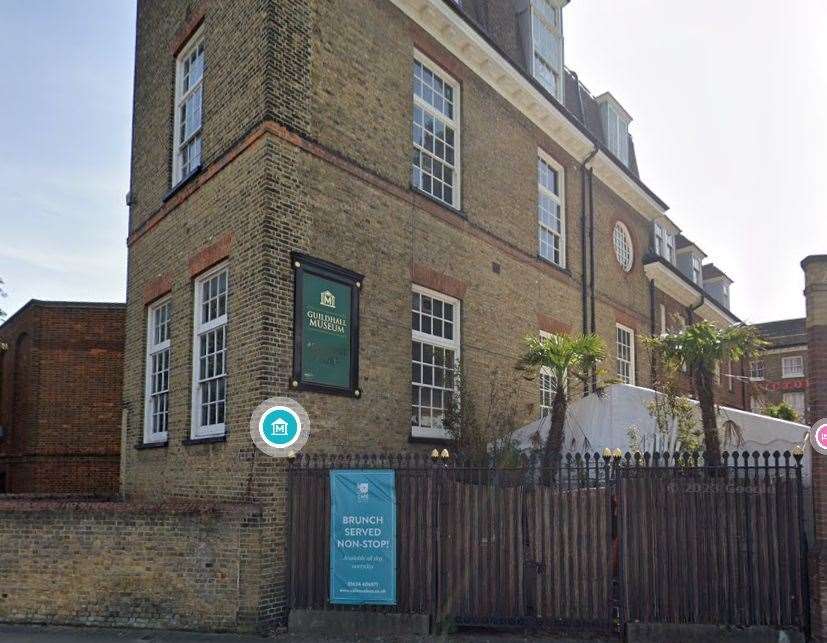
(431, 432)
(664, 243)
(661, 236)
(631, 361)
(197, 429)
(629, 263)
(754, 370)
(663, 328)
(197, 40)
(730, 377)
(542, 156)
(801, 409)
(545, 372)
(697, 270)
(788, 370)
(154, 348)
(617, 133)
(455, 123)
(555, 32)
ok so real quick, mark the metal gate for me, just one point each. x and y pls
(722, 545)
(595, 541)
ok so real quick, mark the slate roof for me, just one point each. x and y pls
(786, 332)
(711, 271)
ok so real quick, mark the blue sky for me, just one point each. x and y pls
(65, 121)
(728, 101)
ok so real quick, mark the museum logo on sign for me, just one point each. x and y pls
(328, 299)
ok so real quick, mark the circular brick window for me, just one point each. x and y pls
(624, 251)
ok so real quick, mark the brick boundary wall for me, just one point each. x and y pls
(172, 565)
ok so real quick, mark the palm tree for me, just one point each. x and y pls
(563, 357)
(699, 348)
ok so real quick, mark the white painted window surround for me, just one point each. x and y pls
(697, 271)
(209, 368)
(625, 354)
(624, 250)
(189, 101)
(546, 381)
(792, 366)
(435, 352)
(551, 210)
(756, 370)
(617, 132)
(156, 391)
(436, 132)
(664, 243)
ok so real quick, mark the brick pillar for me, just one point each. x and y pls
(815, 279)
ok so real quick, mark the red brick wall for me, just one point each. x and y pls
(817, 369)
(815, 269)
(60, 398)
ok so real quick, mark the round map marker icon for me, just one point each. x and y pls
(280, 427)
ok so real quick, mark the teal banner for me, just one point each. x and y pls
(363, 537)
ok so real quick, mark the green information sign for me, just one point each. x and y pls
(326, 327)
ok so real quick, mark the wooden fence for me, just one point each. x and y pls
(597, 541)
(720, 545)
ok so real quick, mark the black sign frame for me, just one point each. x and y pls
(304, 264)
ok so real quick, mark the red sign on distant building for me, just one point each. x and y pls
(786, 385)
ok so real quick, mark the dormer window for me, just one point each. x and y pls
(617, 134)
(696, 270)
(664, 243)
(547, 46)
(615, 121)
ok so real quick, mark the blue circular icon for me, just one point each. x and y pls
(280, 427)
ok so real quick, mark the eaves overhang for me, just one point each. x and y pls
(669, 280)
(444, 21)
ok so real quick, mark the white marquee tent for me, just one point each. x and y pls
(620, 418)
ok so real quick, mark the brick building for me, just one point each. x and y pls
(439, 151)
(780, 375)
(60, 398)
(815, 291)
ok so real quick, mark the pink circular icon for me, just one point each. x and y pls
(818, 436)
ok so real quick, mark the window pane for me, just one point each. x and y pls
(432, 365)
(433, 168)
(550, 218)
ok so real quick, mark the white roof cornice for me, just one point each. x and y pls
(669, 282)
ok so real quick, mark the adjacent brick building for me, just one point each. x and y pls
(780, 374)
(60, 398)
(439, 149)
(815, 291)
